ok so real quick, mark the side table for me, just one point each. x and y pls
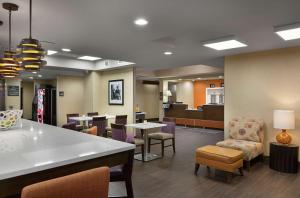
(284, 158)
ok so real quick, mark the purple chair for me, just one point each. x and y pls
(119, 133)
(71, 126)
(77, 123)
(117, 173)
(167, 133)
(100, 123)
(92, 114)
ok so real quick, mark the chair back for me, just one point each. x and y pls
(92, 114)
(118, 132)
(70, 125)
(100, 123)
(72, 115)
(91, 183)
(121, 119)
(170, 128)
(169, 119)
(140, 117)
(92, 131)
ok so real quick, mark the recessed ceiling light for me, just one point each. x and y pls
(34, 72)
(66, 50)
(289, 32)
(221, 76)
(30, 77)
(224, 45)
(90, 58)
(179, 79)
(40, 76)
(168, 53)
(141, 22)
(51, 52)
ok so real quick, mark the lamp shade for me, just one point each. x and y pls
(284, 119)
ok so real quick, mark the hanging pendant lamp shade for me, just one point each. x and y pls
(9, 65)
(29, 51)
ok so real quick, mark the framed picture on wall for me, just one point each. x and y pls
(116, 92)
(212, 85)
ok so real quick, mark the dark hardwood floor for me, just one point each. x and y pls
(173, 177)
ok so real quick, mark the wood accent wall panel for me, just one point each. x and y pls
(200, 90)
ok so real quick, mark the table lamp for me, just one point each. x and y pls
(283, 119)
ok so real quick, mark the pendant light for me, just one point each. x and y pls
(9, 64)
(29, 51)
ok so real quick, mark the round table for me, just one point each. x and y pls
(284, 157)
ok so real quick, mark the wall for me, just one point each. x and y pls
(147, 98)
(12, 101)
(28, 94)
(257, 83)
(185, 93)
(73, 100)
(99, 92)
(200, 90)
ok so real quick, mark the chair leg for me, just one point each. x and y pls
(173, 143)
(162, 148)
(196, 168)
(229, 177)
(241, 171)
(129, 189)
(262, 158)
(143, 152)
(149, 144)
(248, 165)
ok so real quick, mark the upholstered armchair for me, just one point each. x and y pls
(247, 135)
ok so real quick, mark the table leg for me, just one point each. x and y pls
(147, 156)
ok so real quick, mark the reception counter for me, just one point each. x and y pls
(210, 116)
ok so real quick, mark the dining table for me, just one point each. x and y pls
(85, 119)
(32, 152)
(145, 129)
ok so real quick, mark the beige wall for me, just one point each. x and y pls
(185, 93)
(147, 98)
(73, 100)
(28, 94)
(12, 101)
(100, 92)
(258, 83)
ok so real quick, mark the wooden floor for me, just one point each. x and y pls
(173, 176)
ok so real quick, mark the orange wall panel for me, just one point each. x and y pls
(200, 90)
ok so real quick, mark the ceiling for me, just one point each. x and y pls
(105, 28)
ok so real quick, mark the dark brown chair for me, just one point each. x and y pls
(169, 119)
(71, 126)
(140, 118)
(167, 133)
(100, 123)
(91, 183)
(77, 123)
(92, 114)
(121, 119)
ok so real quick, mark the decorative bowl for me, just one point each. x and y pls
(9, 118)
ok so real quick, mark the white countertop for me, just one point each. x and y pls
(31, 147)
(147, 125)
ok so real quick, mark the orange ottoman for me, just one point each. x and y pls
(225, 159)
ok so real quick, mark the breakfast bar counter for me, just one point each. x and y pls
(32, 152)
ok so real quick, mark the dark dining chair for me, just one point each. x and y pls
(100, 123)
(167, 133)
(118, 173)
(71, 126)
(120, 119)
(79, 127)
(92, 183)
(140, 117)
(92, 114)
